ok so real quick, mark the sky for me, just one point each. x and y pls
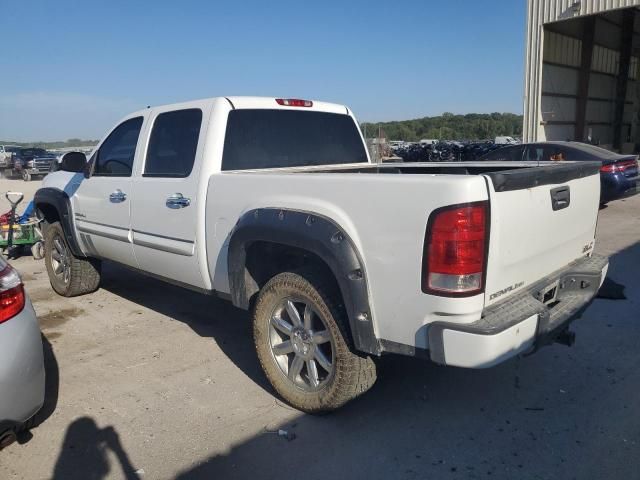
(71, 69)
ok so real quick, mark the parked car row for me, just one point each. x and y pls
(26, 162)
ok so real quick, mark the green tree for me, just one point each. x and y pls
(448, 126)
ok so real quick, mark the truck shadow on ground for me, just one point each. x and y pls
(562, 413)
(208, 316)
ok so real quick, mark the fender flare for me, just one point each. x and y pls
(318, 235)
(58, 200)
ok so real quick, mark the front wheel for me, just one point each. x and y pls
(69, 275)
(301, 342)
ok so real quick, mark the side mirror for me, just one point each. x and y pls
(73, 162)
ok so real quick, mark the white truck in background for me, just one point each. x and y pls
(275, 205)
(6, 158)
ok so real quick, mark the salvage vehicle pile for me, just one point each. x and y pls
(444, 150)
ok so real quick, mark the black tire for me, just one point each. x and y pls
(352, 374)
(79, 275)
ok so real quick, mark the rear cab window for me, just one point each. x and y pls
(264, 138)
(581, 152)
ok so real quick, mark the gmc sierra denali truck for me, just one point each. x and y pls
(275, 205)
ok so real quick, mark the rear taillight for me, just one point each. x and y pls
(294, 102)
(619, 166)
(455, 250)
(11, 293)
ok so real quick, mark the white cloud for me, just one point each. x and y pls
(30, 116)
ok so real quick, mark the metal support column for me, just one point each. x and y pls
(589, 29)
(626, 38)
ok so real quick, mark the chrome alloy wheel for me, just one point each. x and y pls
(301, 344)
(60, 260)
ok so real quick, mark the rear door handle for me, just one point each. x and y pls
(177, 200)
(117, 196)
(560, 197)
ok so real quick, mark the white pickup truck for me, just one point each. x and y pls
(275, 205)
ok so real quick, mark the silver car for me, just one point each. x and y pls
(22, 377)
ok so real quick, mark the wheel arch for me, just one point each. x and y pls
(319, 237)
(54, 205)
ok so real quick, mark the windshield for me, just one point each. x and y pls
(290, 138)
(33, 152)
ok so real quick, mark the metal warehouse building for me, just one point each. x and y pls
(582, 72)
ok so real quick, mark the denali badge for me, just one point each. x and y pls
(499, 293)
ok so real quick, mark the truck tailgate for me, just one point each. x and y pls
(542, 219)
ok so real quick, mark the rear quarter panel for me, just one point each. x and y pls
(384, 214)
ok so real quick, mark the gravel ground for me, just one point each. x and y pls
(149, 381)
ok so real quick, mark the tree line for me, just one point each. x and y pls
(472, 126)
(72, 142)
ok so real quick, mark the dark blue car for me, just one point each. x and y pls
(619, 176)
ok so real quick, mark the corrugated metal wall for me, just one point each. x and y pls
(541, 12)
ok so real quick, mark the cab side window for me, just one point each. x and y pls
(115, 156)
(173, 144)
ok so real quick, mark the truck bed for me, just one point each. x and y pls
(504, 175)
(386, 218)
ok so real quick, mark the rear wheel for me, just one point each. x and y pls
(69, 275)
(302, 344)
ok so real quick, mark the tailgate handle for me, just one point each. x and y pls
(560, 197)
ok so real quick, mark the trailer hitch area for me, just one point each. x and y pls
(566, 337)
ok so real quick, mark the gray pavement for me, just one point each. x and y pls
(146, 380)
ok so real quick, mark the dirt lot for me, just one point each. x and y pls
(149, 381)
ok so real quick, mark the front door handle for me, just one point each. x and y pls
(177, 200)
(118, 196)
